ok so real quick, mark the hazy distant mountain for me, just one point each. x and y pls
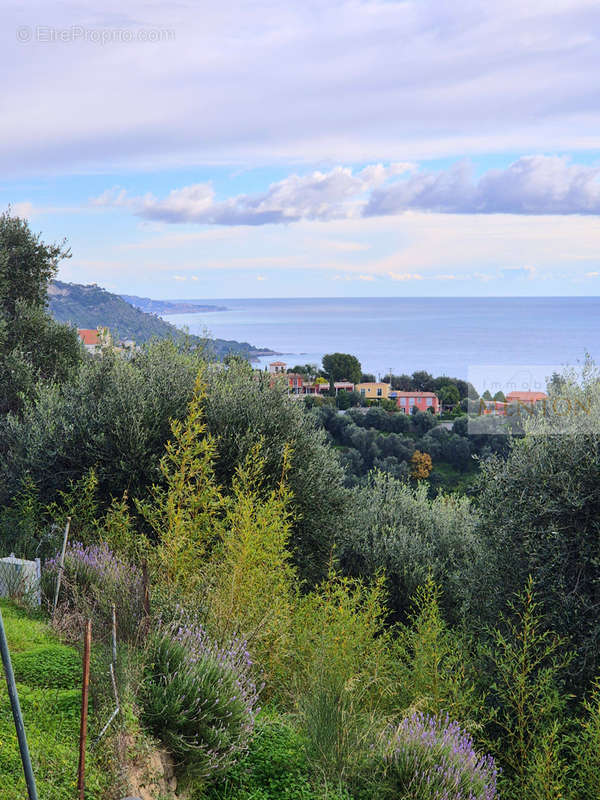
(169, 306)
(90, 306)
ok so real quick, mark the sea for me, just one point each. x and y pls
(496, 342)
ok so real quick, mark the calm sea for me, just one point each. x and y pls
(450, 336)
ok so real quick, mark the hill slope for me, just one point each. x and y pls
(90, 306)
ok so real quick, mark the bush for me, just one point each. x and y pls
(397, 530)
(53, 667)
(198, 698)
(275, 767)
(93, 579)
(427, 759)
(243, 409)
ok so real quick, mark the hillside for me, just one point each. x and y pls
(90, 306)
(168, 306)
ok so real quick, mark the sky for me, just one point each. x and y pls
(308, 148)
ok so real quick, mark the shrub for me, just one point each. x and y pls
(53, 666)
(433, 662)
(254, 585)
(243, 409)
(428, 759)
(184, 512)
(275, 767)
(397, 530)
(525, 665)
(198, 698)
(93, 579)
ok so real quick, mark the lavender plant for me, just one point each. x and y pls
(93, 579)
(199, 698)
(431, 759)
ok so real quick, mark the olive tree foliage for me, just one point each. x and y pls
(244, 408)
(33, 346)
(541, 515)
(114, 415)
(396, 530)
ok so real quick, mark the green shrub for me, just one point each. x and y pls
(424, 758)
(275, 767)
(53, 666)
(199, 699)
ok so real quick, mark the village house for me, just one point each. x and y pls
(423, 401)
(94, 339)
(373, 391)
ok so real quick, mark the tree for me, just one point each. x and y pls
(448, 395)
(486, 395)
(367, 377)
(541, 512)
(114, 414)
(32, 345)
(243, 409)
(500, 397)
(421, 465)
(342, 367)
(423, 381)
(397, 531)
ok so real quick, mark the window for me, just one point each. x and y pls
(363, 391)
(430, 401)
(411, 401)
(379, 392)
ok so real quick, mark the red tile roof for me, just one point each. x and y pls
(525, 397)
(89, 335)
(400, 393)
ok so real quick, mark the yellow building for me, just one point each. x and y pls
(373, 391)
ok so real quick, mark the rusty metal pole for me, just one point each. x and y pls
(84, 709)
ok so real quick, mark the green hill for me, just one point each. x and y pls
(90, 306)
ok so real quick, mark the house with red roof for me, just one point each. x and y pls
(424, 401)
(94, 339)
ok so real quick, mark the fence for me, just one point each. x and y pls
(20, 580)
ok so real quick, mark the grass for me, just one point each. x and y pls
(48, 677)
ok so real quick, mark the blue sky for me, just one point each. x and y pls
(341, 148)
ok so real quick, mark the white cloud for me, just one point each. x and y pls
(263, 82)
(405, 276)
(530, 185)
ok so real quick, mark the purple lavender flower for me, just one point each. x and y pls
(433, 759)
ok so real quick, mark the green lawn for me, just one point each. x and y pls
(48, 676)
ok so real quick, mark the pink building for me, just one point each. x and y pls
(406, 401)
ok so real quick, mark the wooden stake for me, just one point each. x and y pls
(84, 709)
(61, 565)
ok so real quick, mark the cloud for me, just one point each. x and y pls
(336, 194)
(530, 185)
(251, 82)
(520, 272)
(537, 185)
(592, 274)
(405, 276)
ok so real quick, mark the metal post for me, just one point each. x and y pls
(18, 717)
(114, 637)
(61, 564)
(84, 709)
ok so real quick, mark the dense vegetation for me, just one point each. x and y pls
(90, 306)
(314, 632)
